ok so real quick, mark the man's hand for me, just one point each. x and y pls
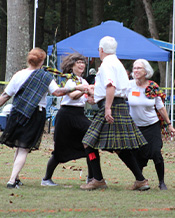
(108, 115)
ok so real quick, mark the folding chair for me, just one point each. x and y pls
(51, 111)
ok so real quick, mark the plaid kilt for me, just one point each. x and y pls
(120, 135)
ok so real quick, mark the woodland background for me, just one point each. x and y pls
(151, 18)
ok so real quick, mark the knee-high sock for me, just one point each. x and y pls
(129, 159)
(51, 165)
(94, 160)
(19, 162)
(160, 171)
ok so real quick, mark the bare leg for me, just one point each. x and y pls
(19, 162)
(15, 155)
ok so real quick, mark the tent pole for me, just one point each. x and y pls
(34, 30)
(172, 82)
(166, 82)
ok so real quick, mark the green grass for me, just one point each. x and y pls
(68, 201)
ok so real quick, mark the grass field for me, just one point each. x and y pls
(68, 201)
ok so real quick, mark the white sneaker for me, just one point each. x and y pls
(48, 182)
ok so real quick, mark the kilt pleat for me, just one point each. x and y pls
(122, 134)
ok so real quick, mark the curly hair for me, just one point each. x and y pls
(69, 61)
(36, 56)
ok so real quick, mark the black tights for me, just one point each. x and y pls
(159, 168)
(129, 159)
(53, 163)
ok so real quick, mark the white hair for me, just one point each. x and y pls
(149, 70)
(109, 44)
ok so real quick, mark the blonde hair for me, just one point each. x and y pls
(36, 56)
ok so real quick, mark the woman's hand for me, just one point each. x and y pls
(171, 130)
(82, 87)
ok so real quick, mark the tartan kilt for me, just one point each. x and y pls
(120, 135)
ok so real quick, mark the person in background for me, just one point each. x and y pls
(91, 78)
(129, 74)
(71, 124)
(26, 121)
(112, 129)
(143, 97)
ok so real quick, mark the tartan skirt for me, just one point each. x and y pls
(121, 134)
(28, 136)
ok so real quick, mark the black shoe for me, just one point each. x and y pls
(18, 182)
(162, 186)
(10, 185)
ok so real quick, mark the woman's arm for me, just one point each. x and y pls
(76, 95)
(3, 98)
(64, 91)
(164, 114)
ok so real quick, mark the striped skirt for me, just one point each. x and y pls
(121, 134)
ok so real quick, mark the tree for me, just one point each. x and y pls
(83, 15)
(63, 15)
(40, 22)
(71, 21)
(18, 35)
(3, 39)
(154, 34)
(98, 11)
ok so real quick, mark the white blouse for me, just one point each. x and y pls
(77, 102)
(142, 109)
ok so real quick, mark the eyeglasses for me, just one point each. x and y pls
(137, 68)
(80, 62)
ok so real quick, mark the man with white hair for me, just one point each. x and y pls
(112, 128)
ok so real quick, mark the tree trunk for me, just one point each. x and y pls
(139, 21)
(40, 23)
(98, 15)
(18, 35)
(151, 19)
(98, 11)
(154, 34)
(3, 44)
(83, 15)
(71, 17)
(63, 15)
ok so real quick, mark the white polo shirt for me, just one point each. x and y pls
(111, 71)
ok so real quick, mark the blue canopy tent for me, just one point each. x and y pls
(131, 45)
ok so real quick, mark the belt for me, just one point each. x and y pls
(117, 100)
